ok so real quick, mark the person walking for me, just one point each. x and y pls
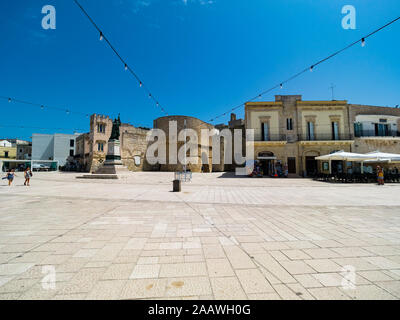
(381, 178)
(28, 175)
(10, 176)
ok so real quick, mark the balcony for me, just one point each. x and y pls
(274, 137)
(375, 134)
(325, 137)
(273, 140)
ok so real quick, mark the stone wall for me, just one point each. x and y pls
(204, 162)
(133, 148)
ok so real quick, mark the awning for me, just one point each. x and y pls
(345, 156)
(378, 156)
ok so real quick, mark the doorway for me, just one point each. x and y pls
(267, 161)
(291, 165)
(311, 166)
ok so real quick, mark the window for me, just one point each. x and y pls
(71, 153)
(381, 130)
(310, 131)
(358, 128)
(289, 124)
(335, 131)
(265, 131)
(101, 128)
(100, 146)
(5, 154)
(71, 143)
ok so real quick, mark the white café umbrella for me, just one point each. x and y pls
(383, 157)
(345, 156)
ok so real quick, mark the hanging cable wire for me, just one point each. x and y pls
(42, 106)
(310, 68)
(40, 128)
(124, 63)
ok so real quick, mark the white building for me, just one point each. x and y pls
(5, 143)
(57, 147)
(376, 125)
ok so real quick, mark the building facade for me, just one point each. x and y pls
(56, 147)
(202, 162)
(92, 146)
(24, 150)
(292, 132)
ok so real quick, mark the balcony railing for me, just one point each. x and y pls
(325, 137)
(274, 137)
(373, 133)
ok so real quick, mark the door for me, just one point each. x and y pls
(292, 165)
(311, 166)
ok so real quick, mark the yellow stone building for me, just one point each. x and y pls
(7, 152)
(292, 132)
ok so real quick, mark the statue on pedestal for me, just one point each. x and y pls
(115, 129)
(114, 154)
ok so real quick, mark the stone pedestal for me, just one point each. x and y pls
(113, 164)
(113, 153)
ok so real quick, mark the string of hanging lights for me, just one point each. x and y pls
(124, 63)
(43, 106)
(40, 128)
(310, 68)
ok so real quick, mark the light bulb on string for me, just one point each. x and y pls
(126, 67)
(311, 68)
(9, 99)
(67, 111)
(101, 36)
(42, 107)
(281, 85)
(362, 42)
(140, 84)
(149, 95)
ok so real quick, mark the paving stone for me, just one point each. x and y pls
(10, 269)
(118, 272)
(368, 292)
(219, 268)
(183, 270)
(297, 267)
(331, 293)
(144, 288)
(253, 281)
(324, 265)
(179, 287)
(227, 288)
(106, 290)
(143, 271)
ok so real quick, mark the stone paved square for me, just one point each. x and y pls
(222, 237)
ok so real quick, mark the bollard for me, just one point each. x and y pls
(176, 185)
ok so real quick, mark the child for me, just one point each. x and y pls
(381, 179)
(28, 175)
(10, 176)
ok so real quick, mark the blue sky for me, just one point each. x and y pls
(198, 57)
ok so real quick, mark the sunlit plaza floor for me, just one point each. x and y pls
(222, 237)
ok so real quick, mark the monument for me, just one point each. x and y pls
(114, 145)
(113, 165)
